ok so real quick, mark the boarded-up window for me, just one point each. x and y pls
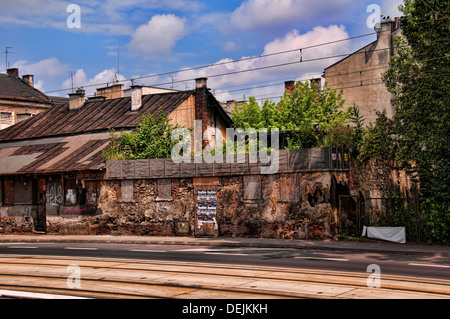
(289, 188)
(70, 191)
(8, 192)
(252, 187)
(127, 190)
(22, 191)
(5, 120)
(92, 192)
(165, 189)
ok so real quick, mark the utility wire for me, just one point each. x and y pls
(232, 61)
(280, 65)
(244, 59)
(225, 62)
(422, 77)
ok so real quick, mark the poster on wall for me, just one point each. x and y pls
(206, 208)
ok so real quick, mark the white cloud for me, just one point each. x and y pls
(390, 8)
(112, 17)
(230, 46)
(80, 79)
(114, 7)
(300, 71)
(158, 37)
(39, 85)
(38, 13)
(51, 67)
(46, 72)
(262, 13)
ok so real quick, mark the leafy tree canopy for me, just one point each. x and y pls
(419, 79)
(304, 110)
(153, 139)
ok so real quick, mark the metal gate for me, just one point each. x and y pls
(350, 219)
(40, 223)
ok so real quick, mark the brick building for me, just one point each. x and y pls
(51, 164)
(360, 74)
(19, 99)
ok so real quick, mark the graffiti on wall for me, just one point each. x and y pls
(71, 197)
(54, 193)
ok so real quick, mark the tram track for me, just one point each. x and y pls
(121, 278)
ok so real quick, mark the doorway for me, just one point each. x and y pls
(40, 223)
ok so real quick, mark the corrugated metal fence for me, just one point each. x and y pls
(302, 160)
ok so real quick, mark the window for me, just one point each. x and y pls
(164, 189)
(289, 188)
(8, 192)
(5, 116)
(252, 187)
(5, 120)
(127, 190)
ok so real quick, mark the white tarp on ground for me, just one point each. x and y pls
(394, 234)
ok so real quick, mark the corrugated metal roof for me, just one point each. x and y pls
(49, 155)
(61, 140)
(93, 116)
(17, 89)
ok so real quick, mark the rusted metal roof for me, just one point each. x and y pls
(61, 140)
(49, 155)
(93, 117)
(17, 89)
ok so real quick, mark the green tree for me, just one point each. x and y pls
(153, 139)
(418, 78)
(247, 115)
(303, 110)
(378, 141)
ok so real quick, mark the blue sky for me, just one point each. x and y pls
(161, 36)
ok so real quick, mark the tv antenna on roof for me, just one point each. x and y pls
(118, 58)
(6, 56)
(71, 80)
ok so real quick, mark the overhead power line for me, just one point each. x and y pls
(250, 70)
(301, 60)
(225, 62)
(349, 85)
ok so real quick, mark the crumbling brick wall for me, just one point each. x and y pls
(290, 206)
(300, 205)
(374, 183)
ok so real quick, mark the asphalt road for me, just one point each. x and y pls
(428, 266)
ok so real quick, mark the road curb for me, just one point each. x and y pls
(242, 242)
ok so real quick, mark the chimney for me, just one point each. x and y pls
(289, 86)
(136, 97)
(29, 79)
(201, 83)
(385, 35)
(111, 92)
(13, 72)
(76, 100)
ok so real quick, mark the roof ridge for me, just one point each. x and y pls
(10, 83)
(93, 116)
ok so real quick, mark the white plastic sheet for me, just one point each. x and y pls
(394, 234)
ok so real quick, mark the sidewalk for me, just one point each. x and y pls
(369, 246)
